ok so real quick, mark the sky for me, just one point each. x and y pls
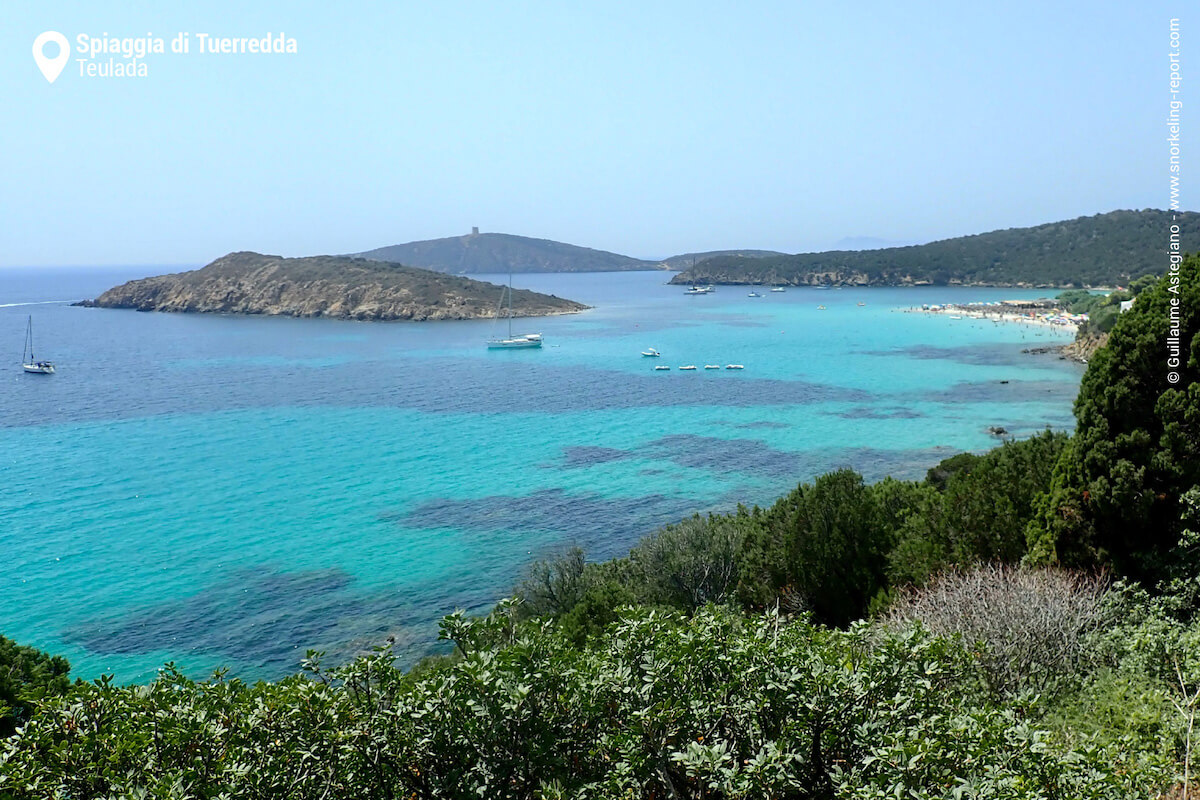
(647, 128)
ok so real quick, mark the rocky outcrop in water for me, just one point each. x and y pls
(1082, 349)
(1085, 346)
(324, 286)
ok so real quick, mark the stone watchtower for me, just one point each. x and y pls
(475, 231)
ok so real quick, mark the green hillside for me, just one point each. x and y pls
(1101, 250)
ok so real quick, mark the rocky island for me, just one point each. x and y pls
(339, 287)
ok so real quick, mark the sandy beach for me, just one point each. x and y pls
(1038, 319)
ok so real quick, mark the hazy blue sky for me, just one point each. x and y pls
(648, 128)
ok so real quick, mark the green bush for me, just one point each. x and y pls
(27, 676)
(823, 549)
(662, 706)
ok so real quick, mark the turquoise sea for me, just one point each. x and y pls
(231, 491)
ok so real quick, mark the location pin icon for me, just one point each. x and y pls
(51, 67)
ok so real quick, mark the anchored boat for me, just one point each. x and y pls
(30, 364)
(526, 340)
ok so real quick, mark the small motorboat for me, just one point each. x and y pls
(712, 366)
(662, 367)
(778, 289)
(820, 308)
(650, 352)
(861, 304)
(734, 366)
(689, 366)
(754, 294)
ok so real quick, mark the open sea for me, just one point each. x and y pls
(232, 491)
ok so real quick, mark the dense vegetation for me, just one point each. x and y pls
(503, 252)
(27, 676)
(1103, 250)
(712, 705)
(722, 658)
(1102, 309)
(1117, 490)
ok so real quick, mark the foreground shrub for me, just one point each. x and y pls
(27, 676)
(1031, 623)
(1145, 693)
(710, 706)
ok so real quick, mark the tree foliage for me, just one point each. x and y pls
(1115, 492)
(822, 547)
(27, 676)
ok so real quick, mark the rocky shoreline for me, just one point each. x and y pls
(1080, 350)
(335, 287)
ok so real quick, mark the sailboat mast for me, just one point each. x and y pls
(28, 340)
(510, 301)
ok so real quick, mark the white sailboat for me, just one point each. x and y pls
(509, 342)
(30, 363)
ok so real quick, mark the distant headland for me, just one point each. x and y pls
(1102, 250)
(339, 287)
(484, 253)
(502, 252)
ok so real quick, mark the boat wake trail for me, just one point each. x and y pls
(35, 303)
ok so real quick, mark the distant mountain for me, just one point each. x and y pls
(1105, 249)
(502, 252)
(324, 286)
(686, 260)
